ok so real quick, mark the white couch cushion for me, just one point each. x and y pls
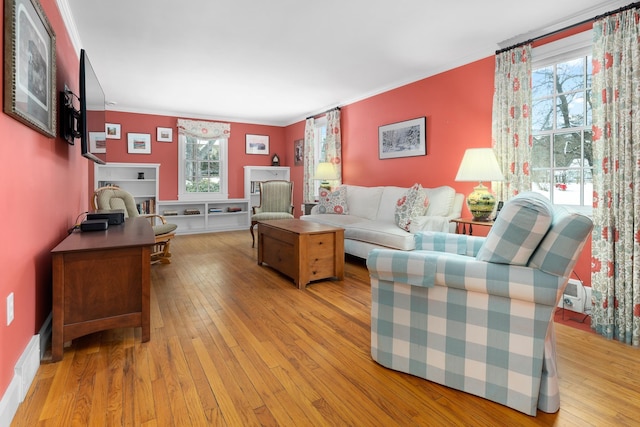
(383, 233)
(388, 203)
(363, 201)
(440, 200)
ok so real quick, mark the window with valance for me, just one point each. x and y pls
(203, 160)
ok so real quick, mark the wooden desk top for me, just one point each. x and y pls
(134, 232)
(299, 226)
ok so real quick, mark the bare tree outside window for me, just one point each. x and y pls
(561, 123)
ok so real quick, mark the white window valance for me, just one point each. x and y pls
(204, 130)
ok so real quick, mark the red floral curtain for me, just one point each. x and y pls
(615, 275)
(511, 133)
(308, 191)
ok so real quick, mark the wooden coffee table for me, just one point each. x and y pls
(303, 250)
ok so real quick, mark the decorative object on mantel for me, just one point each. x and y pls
(325, 172)
(480, 164)
(275, 160)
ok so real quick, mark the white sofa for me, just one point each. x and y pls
(369, 221)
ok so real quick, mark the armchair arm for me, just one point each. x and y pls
(153, 217)
(460, 244)
(429, 268)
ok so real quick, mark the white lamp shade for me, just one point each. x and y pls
(479, 164)
(326, 171)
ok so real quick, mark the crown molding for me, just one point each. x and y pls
(69, 23)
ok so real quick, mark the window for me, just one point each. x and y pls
(202, 170)
(320, 148)
(561, 158)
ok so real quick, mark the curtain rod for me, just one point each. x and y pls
(568, 27)
(323, 112)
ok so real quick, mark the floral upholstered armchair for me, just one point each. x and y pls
(476, 313)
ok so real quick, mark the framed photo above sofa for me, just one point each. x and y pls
(403, 139)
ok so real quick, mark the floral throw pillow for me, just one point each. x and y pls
(412, 204)
(333, 202)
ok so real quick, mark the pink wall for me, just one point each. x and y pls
(166, 153)
(42, 188)
(457, 105)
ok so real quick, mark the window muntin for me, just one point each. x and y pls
(561, 158)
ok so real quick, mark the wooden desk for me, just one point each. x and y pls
(101, 280)
(461, 223)
(302, 250)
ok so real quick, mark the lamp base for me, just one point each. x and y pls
(326, 185)
(481, 203)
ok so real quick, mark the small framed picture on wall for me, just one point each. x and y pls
(139, 143)
(298, 152)
(257, 144)
(164, 135)
(112, 130)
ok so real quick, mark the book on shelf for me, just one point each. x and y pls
(255, 187)
(169, 212)
(234, 209)
(192, 211)
(215, 210)
(147, 207)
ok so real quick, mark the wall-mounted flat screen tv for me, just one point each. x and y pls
(93, 140)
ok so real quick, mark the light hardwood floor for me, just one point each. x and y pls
(236, 344)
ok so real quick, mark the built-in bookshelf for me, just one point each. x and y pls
(253, 175)
(206, 215)
(139, 179)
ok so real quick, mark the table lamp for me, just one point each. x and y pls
(325, 172)
(480, 164)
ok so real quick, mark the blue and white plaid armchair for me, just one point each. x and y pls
(476, 313)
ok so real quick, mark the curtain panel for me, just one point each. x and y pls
(615, 263)
(334, 144)
(204, 130)
(511, 124)
(308, 190)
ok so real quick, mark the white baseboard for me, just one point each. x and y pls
(24, 373)
(45, 334)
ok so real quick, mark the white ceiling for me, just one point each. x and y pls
(277, 61)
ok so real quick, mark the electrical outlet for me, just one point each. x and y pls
(10, 309)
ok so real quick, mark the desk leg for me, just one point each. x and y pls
(57, 341)
(146, 294)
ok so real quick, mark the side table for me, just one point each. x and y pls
(462, 223)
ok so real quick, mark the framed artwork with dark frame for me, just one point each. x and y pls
(403, 139)
(298, 152)
(29, 66)
(257, 144)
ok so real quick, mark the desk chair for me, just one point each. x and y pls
(115, 198)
